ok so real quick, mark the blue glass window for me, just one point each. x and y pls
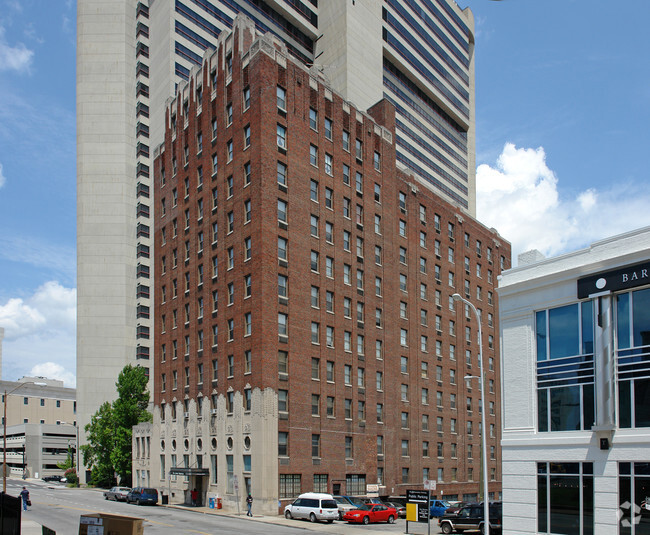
(565, 368)
(633, 358)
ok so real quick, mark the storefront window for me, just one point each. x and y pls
(634, 498)
(565, 498)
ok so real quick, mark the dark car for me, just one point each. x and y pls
(142, 496)
(58, 479)
(455, 507)
(470, 517)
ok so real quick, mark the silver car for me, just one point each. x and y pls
(117, 493)
(344, 505)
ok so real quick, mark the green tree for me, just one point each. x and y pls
(108, 451)
(70, 470)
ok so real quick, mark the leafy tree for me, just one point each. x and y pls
(69, 468)
(108, 452)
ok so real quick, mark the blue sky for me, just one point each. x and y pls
(562, 114)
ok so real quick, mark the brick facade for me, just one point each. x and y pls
(407, 367)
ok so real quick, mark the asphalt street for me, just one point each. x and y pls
(59, 508)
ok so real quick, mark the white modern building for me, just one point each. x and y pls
(131, 55)
(575, 341)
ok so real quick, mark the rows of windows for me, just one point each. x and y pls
(245, 363)
(176, 407)
(348, 444)
(358, 377)
(142, 174)
(292, 485)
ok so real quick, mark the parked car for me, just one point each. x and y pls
(470, 517)
(401, 509)
(454, 507)
(357, 501)
(344, 504)
(373, 499)
(118, 494)
(50, 479)
(142, 496)
(315, 506)
(437, 508)
(371, 512)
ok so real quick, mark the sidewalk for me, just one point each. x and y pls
(29, 527)
(280, 520)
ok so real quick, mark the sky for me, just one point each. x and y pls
(562, 120)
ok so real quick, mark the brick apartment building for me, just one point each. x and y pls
(306, 338)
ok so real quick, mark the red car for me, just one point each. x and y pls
(371, 512)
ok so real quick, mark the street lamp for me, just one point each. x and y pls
(486, 502)
(76, 450)
(4, 421)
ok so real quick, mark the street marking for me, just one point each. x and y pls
(159, 523)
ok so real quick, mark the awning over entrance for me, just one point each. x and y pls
(178, 471)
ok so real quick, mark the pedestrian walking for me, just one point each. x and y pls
(249, 504)
(24, 494)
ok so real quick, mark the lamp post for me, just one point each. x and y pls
(4, 421)
(76, 449)
(486, 502)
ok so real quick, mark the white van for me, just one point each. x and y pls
(313, 505)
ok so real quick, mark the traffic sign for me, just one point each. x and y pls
(430, 484)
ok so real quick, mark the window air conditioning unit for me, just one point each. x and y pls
(213, 412)
(186, 415)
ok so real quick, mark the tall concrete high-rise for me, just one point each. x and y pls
(132, 54)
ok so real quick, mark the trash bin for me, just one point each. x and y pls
(211, 503)
(219, 505)
(165, 499)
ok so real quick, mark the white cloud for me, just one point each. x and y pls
(51, 355)
(520, 197)
(16, 58)
(40, 334)
(2, 177)
(51, 309)
(52, 370)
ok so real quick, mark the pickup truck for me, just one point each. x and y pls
(470, 518)
(437, 508)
